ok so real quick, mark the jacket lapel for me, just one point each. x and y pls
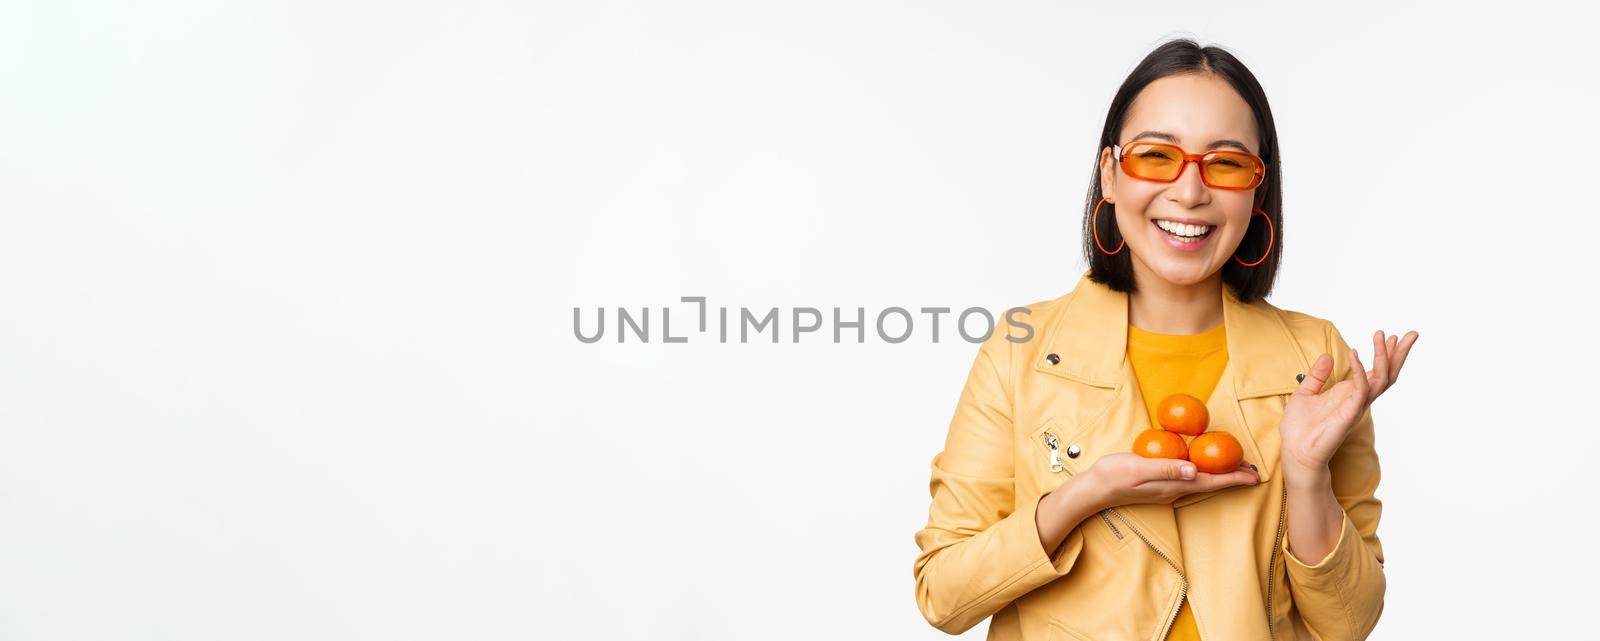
(1263, 359)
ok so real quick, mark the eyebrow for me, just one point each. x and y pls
(1222, 142)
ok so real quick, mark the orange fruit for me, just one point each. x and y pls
(1215, 452)
(1183, 414)
(1154, 443)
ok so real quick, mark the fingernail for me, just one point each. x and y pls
(1186, 471)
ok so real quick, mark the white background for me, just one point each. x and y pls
(286, 298)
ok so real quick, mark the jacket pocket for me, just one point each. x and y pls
(1084, 434)
(1060, 632)
(1115, 537)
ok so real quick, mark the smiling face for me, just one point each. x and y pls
(1182, 232)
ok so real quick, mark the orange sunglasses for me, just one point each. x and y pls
(1164, 163)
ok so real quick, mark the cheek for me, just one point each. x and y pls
(1237, 217)
(1237, 209)
(1133, 199)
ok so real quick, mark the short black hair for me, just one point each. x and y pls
(1176, 57)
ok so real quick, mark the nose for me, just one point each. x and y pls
(1189, 190)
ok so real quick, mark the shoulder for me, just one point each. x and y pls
(1020, 328)
(1301, 323)
(1315, 336)
(1038, 315)
(1026, 324)
(1020, 332)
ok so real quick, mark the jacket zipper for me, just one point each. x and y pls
(1051, 442)
(1114, 529)
(1055, 452)
(1183, 581)
(1272, 563)
(1054, 444)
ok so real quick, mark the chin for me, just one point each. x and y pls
(1178, 273)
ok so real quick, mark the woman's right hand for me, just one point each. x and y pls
(1125, 478)
(1122, 479)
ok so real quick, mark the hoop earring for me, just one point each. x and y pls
(1094, 228)
(1270, 233)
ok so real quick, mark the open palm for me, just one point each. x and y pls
(1316, 421)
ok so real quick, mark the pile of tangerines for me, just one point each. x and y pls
(1182, 414)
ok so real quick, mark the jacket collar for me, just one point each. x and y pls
(1090, 337)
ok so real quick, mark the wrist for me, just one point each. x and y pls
(1079, 496)
(1298, 473)
(1306, 477)
(1090, 493)
(1315, 520)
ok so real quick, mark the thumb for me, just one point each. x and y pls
(1317, 377)
(1166, 469)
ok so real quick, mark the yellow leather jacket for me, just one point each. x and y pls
(1035, 413)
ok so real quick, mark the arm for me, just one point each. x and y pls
(1062, 510)
(1331, 551)
(977, 553)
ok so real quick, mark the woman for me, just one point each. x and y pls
(1043, 519)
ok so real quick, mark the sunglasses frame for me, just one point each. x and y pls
(1121, 151)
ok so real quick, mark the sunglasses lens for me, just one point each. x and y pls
(1163, 162)
(1152, 161)
(1231, 170)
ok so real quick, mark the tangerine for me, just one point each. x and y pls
(1215, 452)
(1154, 443)
(1183, 414)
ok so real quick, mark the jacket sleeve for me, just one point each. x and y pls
(980, 549)
(1341, 595)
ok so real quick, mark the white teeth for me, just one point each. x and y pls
(1183, 229)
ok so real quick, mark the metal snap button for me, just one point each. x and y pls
(1073, 451)
(1053, 359)
(1299, 378)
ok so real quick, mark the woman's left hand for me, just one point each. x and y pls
(1315, 421)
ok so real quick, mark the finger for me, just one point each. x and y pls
(1380, 360)
(1359, 375)
(1162, 469)
(1404, 349)
(1164, 490)
(1208, 482)
(1350, 410)
(1394, 363)
(1202, 482)
(1314, 380)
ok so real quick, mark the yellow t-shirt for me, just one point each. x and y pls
(1173, 364)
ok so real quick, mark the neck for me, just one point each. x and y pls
(1164, 307)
